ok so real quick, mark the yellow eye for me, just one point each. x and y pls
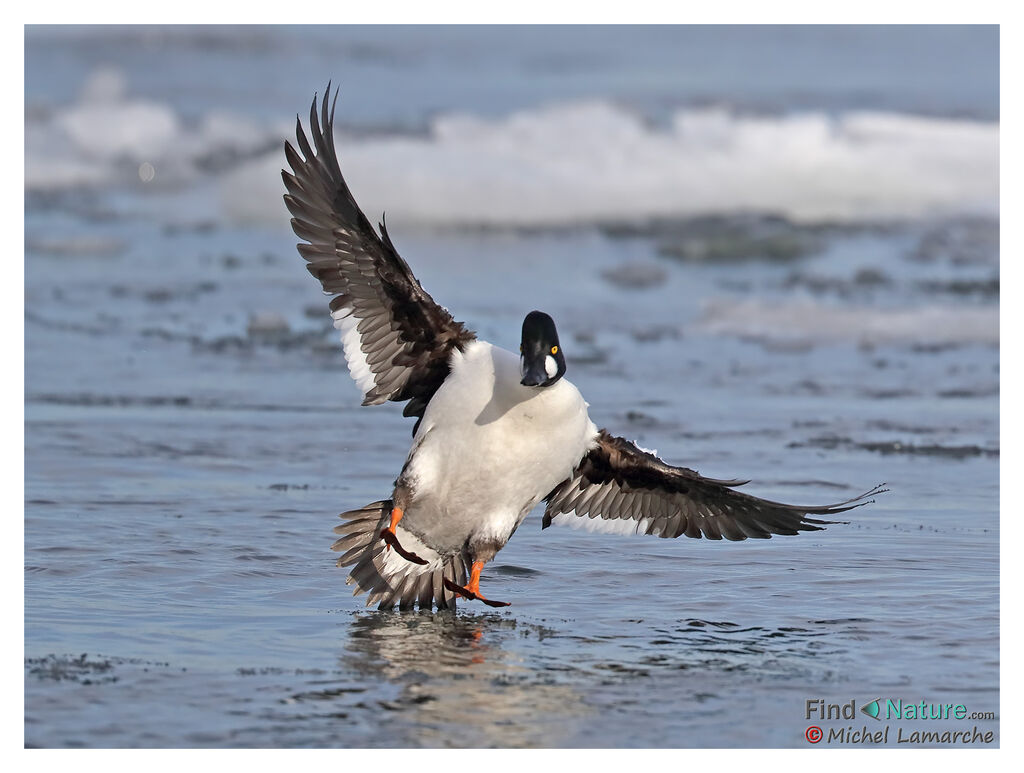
(520, 348)
(554, 350)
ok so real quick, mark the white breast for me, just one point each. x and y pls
(489, 449)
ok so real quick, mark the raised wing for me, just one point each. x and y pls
(397, 340)
(633, 491)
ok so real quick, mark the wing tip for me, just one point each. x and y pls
(819, 524)
(860, 500)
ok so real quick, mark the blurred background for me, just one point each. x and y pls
(772, 253)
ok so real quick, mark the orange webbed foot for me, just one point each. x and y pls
(469, 594)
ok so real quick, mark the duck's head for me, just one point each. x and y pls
(541, 360)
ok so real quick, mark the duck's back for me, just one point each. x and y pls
(489, 449)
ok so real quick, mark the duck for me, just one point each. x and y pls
(496, 432)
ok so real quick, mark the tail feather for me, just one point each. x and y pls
(456, 572)
(385, 576)
(426, 591)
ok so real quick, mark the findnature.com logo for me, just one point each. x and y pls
(895, 710)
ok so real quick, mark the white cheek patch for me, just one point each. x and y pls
(550, 366)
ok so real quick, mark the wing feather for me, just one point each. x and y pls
(617, 480)
(400, 344)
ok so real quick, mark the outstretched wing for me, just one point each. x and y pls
(397, 340)
(635, 491)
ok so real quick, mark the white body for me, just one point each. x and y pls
(489, 449)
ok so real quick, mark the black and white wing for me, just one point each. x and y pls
(634, 491)
(397, 340)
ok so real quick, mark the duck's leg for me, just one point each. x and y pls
(472, 590)
(400, 499)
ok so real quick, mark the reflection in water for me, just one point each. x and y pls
(459, 682)
(439, 679)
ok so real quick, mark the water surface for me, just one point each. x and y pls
(192, 432)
